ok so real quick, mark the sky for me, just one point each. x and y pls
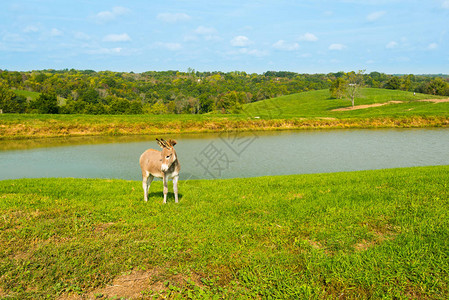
(254, 36)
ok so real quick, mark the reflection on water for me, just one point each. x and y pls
(229, 155)
(26, 144)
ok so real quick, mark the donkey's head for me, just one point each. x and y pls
(168, 153)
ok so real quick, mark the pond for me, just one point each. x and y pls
(229, 155)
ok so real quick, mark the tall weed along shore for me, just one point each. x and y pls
(40, 128)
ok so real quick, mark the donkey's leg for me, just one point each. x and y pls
(145, 188)
(165, 188)
(146, 182)
(175, 187)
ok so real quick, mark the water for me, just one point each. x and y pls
(228, 156)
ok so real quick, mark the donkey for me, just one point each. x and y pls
(161, 164)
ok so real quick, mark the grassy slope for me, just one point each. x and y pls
(320, 104)
(305, 110)
(27, 94)
(34, 95)
(365, 234)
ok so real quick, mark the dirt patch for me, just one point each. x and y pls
(131, 286)
(435, 100)
(366, 106)
(379, 237)
(138, 285)
(386, 103)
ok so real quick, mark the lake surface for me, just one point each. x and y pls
(230, 155)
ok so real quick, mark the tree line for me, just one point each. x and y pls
(174, 92)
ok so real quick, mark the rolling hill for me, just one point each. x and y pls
(316, 104)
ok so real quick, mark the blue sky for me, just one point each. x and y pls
(310, 36)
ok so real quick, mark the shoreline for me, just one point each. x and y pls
(32, 129)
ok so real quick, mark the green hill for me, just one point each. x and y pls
(27, 94)
(320, 104)
(33, 96)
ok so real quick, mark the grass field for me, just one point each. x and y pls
(27, 94)
(369, 234)
(309, 110)
(319, 104)
(34, 95)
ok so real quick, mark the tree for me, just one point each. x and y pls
(438, 86)
(45, 104)
(10, 102)
(135, 108)
(394, 83)
(17, 104)
(407, 83)
(229, 103)
(338, 88)
(73, 107)
(94, 109)
(90, 96)
(158, 108)
(206, 104)
(6, 96)
(119, 106)
(354, 84)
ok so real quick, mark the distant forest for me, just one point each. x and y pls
(174, 92)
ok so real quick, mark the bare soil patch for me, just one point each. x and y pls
(380, 236)
(434, 100)
(386, 103)
(139, 285)
(366, 106)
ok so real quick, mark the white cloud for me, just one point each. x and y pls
(56, 32)
(445, 4)
(391, 45)
(109, 15)
(375, 16)
(168, 46)
(30, 28)
(337, 47)
(190, 38)
(432, 46)
(13, 37)
(208, 33)
(205, 30)
(124, 37)
(284, 46)
(253, 52)
(240, 41)
(246, 51)
(173, 17)
(105, 51)
(81, 36)
(308, 37)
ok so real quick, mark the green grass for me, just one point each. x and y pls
(27, 94)
(320, 104)
(369, 234)
(33, 96)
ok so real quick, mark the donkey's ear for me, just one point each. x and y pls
(171, 142)
(160, 142)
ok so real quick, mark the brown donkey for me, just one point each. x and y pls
(161, 164)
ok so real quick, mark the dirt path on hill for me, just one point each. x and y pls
(386, 103)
